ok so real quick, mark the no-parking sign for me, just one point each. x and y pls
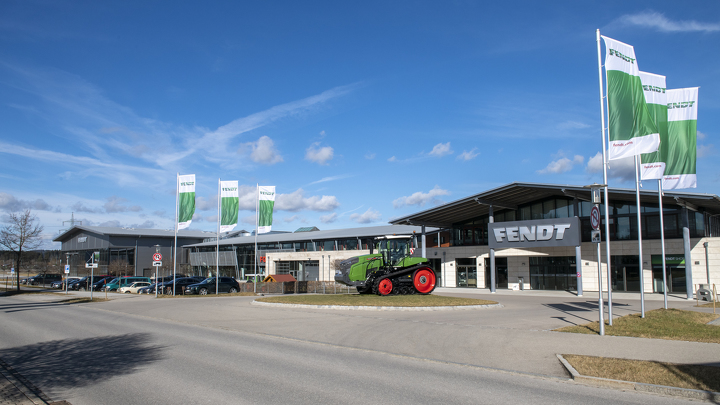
(595, 217)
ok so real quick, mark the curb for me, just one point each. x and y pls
(636, 386)
(368, 308)
(24, 386)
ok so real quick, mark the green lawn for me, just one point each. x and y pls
(372, 300)
(670, 324)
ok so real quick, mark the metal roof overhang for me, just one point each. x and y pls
(515, 194)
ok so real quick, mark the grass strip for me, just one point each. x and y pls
(82, 300)
(690, 376)
(371, 300)
(669, 324)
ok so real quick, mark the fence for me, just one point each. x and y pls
(298, 287)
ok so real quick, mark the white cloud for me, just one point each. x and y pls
(296, 201)
(705, 150)
(206, 204)
(291, 219)
(9, 203)
(701, 136)
(621, 169)
(562, 165)
(328, 219)
(319, 155)
(653, 19)
(367, 217)
(370, 156)
(441, 149)
(468, 155)
(262, 151)
(420, 198)
(114, 204)
(331, 178)
(573, 125)
(392, 159)
(114, 134)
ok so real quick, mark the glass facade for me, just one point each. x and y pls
(623, 221)
(553, 273)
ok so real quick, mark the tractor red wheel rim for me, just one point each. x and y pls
(424, 281)
(385, 287)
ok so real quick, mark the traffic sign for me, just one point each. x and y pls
(67, 269)
(157, 264)
(595, 236)
(595, 217)
(157, 257)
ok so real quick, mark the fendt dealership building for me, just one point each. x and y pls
(539, 236)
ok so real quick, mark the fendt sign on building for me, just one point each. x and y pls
(537, 233)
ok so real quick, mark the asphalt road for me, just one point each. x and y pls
(223, 350)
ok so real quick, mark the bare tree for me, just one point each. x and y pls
(22, 233)
(118, 267)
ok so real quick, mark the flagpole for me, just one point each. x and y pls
(177, 203)
(639, 224)
(257, 202)
(217, 246)
(607, 212)
(662, 241)
(605, 182)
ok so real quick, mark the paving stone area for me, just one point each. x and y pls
(16, 390)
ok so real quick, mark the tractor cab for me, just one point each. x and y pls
(395, 248)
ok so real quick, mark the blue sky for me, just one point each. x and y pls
(358, 112)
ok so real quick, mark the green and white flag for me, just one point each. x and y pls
(631, 129)
(266, 203)
(653, 164)
(186, 200)
(682, 139)
(229, 205)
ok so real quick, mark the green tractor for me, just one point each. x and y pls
(392, 270)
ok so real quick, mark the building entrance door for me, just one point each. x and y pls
(675, 273)
(501, 273)
(625, 272)
(466, 273)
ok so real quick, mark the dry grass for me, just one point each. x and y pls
(670, 324)
(371, 300)
(709, 305)
(691, 376)
(238, 294)
(82, 300)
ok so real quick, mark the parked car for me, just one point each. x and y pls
(207, 286)
(134, 287)
(124, 281)
(83, 283)
(61, 283)
(180, 284)
(100, 284)
(43, 279)
(147, 290)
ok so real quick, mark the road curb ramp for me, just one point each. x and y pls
(636, 386)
